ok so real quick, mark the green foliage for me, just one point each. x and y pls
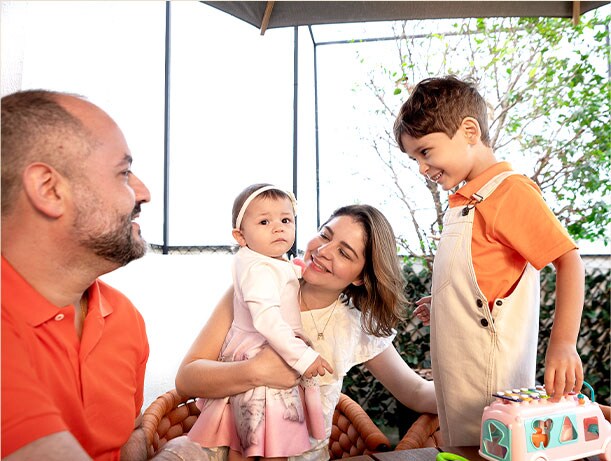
(547, 86)
(412, 342)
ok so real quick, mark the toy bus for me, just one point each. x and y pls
(524, 425)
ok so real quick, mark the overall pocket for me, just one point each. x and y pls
(443, 264)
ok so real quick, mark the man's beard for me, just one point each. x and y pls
(117, 245)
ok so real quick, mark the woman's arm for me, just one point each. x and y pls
(405, 384)
(201, 374)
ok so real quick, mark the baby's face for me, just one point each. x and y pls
(268, 226)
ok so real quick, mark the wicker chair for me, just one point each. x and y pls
(353, 432)
(423, 433)
(172, 415)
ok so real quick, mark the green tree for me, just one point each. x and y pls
(546, 82)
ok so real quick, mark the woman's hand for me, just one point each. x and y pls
(272, 371)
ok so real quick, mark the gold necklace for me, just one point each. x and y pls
(320, 334)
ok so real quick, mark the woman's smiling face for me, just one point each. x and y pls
(335, 258)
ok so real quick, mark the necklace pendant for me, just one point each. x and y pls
(321, 336)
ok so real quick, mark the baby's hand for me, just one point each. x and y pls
(301, 263)
(563, 370)
(423, 310)
(318, 368)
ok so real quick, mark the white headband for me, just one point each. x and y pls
(251, 197)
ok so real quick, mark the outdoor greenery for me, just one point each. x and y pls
(547, 85)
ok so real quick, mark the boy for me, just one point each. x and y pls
(497, 234)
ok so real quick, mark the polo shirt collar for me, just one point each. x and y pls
(480, 181)
(98, 301)
(17, 290)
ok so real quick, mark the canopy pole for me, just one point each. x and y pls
(293, 250)
(576, 12)
(316, 139)
(166, 135)
(266, 15)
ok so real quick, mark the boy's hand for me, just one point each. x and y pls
(563, 370)
(423, 310)
(318, 368)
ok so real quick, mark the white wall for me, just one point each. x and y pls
(231, 112)
(175, 294)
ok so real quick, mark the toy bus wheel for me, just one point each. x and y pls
(540, 458)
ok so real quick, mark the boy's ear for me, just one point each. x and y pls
(471, 129)
(239, 237)
(46, 189)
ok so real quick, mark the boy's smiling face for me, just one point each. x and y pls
(442, 160)
(447, 161)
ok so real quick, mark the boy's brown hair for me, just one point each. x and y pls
(439, 105)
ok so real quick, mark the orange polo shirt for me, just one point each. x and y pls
(512, 226)
(53, 382)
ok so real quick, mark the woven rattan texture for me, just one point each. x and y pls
(169, 416)
(353, 432)
(423, 433)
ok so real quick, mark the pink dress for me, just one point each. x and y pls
(264, 421)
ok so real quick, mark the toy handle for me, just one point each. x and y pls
(591, 391)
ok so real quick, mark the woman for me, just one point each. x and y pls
(352, 262)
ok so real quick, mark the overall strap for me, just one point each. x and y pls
(486, 190)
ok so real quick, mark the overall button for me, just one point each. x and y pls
(499, 302)
(59, 317)
(479, 303)
(484, 322)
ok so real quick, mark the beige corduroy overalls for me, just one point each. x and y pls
(474, 351)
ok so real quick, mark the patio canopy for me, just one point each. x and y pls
(269, 15)
(277, 14)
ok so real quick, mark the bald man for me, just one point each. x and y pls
(74, 350)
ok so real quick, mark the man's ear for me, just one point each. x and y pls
(471, 129)
(45, 189)
(239, 237)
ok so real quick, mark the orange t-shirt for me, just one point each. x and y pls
(52, 382)
(511, 227)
